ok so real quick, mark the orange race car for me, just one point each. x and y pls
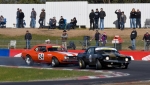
(50, 54)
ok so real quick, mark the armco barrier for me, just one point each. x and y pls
(136, 55)
(4, 52)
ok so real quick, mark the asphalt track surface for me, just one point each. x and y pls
(138, 70)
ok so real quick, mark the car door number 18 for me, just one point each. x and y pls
(41, 56)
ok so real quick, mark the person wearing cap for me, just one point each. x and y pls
(104, 39)
(42, 18)
(91, 17)
(133, 36)
(62, 23)
(64, 37)
(28, 37)
(97, 37)
(102, 14)
(33, 18)
(146, 39)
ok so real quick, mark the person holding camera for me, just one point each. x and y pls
(146, 39)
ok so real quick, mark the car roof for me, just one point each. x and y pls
(49, 45)
(105, 48)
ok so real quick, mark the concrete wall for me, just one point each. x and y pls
(68, 10)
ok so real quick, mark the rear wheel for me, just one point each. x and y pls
(98, 65)
(55, 62)
(82, 64)
(29, 60)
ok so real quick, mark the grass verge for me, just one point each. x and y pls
(28, 74)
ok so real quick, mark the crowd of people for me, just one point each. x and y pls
(135, 19)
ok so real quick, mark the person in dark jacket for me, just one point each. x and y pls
(91, 17)
(52, 23)
(133, 36)
(146, 39)
(102, 14)
(42, 18)
(118, 17)
(138, 18)
(96, 18)
(17, 18)
(28, 37)
(21, 17)
(74, 22)
(33, 18)
(133, 18)
(62, 23)
(97, 38)
(122, 20)
(70, 25)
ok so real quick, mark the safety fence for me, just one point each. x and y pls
(79, 44)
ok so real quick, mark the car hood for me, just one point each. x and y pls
(66, 53)
(114, 55)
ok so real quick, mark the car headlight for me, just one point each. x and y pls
(107, 58)
(66, 57)
(126, 59)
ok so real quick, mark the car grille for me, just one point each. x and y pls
(117, 58)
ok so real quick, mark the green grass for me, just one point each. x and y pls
(28, 74)
(38, 39)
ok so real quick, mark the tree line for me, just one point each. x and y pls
(89, 1)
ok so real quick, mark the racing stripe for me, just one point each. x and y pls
(74, 54)
(68, 54)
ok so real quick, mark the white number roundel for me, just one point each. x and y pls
(41, 56)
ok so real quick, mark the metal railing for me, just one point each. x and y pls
(80, 44)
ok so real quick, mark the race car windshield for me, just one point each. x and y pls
(107, 51)
(55, 49)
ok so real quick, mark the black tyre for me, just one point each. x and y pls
(29, 60)
(82, 64)
(125, 66)
(98, 65)
(55, 62)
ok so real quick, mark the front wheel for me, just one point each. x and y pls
(29, 60)
(98, 65)
(82, 64)
(55, 62)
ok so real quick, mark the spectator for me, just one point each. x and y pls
(122, 20)
(64, 37)
(74, 22)
(118, 17)
(52, 23)
(91, 17)
(28, 37)
(97, 37)
(102, 14)
(104, 39)
(133, 36)
(17, 18)
(70, 25)
(62, 23)
(21, 16)
(42, 18)
(1, 20)
(138, 18)
(96, 18)
(146, 39)
(133, 18)
(33, 18)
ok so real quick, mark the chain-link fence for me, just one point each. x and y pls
(80, 44)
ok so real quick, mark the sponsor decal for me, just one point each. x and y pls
(41, 56)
